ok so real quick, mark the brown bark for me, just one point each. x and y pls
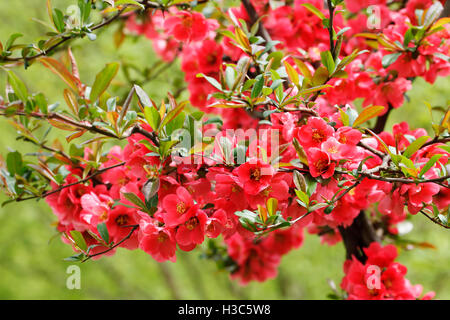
(360, 234)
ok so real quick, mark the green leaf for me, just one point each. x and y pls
(79, 239)
(103, 231)
(175, 124)
(408, 37)
(230, 77)
(327, 60)
(152, 116)
(142, 96)
(18, 86)
(77, 257)
(41, 102)
(103, 79)
(367, 114)
(272, 205)
(320, 76)
(314, 10)
(433, 14)
(133, 2)
(415, 145)
(344, 117)
(85, 10)
(318, 206)
(248, 215)
(135, 200)
(390, 59)
(292, 73)
(211, 80)
(14, 163)
(10, 42)
(257, 87)
(302, 196)
(430, 163)
(299, 180)
(277, 56)
(342, 31)
(58, 20)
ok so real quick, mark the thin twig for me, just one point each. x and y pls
(133, 229)
(96, 173)
(435, 221)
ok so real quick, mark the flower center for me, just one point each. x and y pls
(255, 174)
(317, 135)
(235, 188)
(267, 191)
(321, 165)
(387, 283)
(192, 223)
(162, 236)
(211, 58)
(122, 220)
(104, 215)
(332, 149)
(181, 207)
(187, 22)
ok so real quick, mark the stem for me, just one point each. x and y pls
(133, 229)
(360, 234)
(46, 194)
(262, 31)
(330, 27)
(381, 121)
(434, 220)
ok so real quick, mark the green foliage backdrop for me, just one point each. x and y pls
(33, 268)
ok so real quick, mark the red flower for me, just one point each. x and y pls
(178, 207)
(187, 26)
(314, 133)
(209, 57)
(192, 231)
(320, 163)
(216, 224)
(157, 241)
(118, 224)
(380, 278)
(254, 176)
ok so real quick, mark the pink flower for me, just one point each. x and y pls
(95, 208)
(334, 149)
(348, 135)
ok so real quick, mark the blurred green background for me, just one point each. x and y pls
(31, 267)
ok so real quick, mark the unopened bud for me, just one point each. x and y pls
(299, 181)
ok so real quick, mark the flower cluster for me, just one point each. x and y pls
(380, 277)
(314, 168)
